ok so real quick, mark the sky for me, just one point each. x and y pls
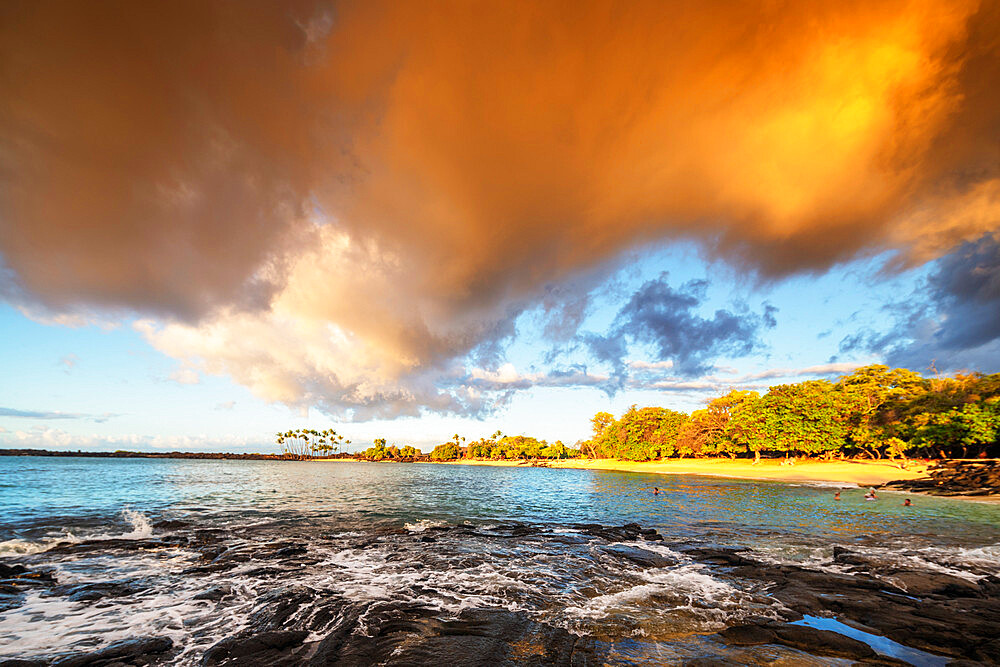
(220, 220)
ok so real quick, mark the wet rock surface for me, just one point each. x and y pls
(927, 610)
(811, 640)
(955, 478)
(400, 635)
(16, 581)
(452, 599)
(139, 651)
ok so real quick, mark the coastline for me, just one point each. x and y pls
(849, 473)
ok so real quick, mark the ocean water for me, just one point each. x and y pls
(361, 527)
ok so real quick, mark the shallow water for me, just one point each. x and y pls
(362, 526)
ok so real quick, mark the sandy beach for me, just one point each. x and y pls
(864, 473)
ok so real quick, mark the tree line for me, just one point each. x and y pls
(306, 443)
(498, 447)
(379, 452)
(874, 412)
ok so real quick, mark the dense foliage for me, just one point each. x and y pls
(499, 447)
(642, 434)
(379, 452)
(875, 412)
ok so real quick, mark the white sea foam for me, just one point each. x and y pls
(18, 547)
(140, 525)
(422, 525)
(138, 522)
(954, 561)
(687, 587)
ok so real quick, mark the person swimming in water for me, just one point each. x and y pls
(871, 495)
(836, 496)
(656, 491)
(907, 503)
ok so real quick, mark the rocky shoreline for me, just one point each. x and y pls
(943, 618)
(955, 478)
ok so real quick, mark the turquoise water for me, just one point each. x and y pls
(444, 537)
(42, 497)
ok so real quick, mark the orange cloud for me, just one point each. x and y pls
(386, 184)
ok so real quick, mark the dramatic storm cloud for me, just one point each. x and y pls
(667, 319)
(335, 203)
(952, 322)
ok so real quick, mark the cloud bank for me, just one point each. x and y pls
(952, 322)
(336, 203)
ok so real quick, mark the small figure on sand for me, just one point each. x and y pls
(907, 503)
(836, 496)
(871, 495)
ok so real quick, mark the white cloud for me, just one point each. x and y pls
(351, 332)
(185, 375)
(842, 368)
(58, 439)
(69, 361)
(651, 365)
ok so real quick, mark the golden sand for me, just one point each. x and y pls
(864, 473)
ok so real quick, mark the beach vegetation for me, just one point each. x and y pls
(306, 443)
(447, 451)
(381, 451)
(874, 412)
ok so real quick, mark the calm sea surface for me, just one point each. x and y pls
(328, 505)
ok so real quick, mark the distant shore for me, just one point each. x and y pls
(122, 454)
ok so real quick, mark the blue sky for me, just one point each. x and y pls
(103, 386)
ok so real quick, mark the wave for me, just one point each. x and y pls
(140, 529)
(18, 547)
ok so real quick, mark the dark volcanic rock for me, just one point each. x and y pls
(97, 591)
(936, 613)
(489, 637)
(953, 478)
(810, 640)
(11, 571)
(387, 633)
(823, 642)
(265, 648)
(117, 544)
(16, 580)
(641, 557)
(126, 652)
(723, 556)
(630, 532)
(922, 584)
(214, 594)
